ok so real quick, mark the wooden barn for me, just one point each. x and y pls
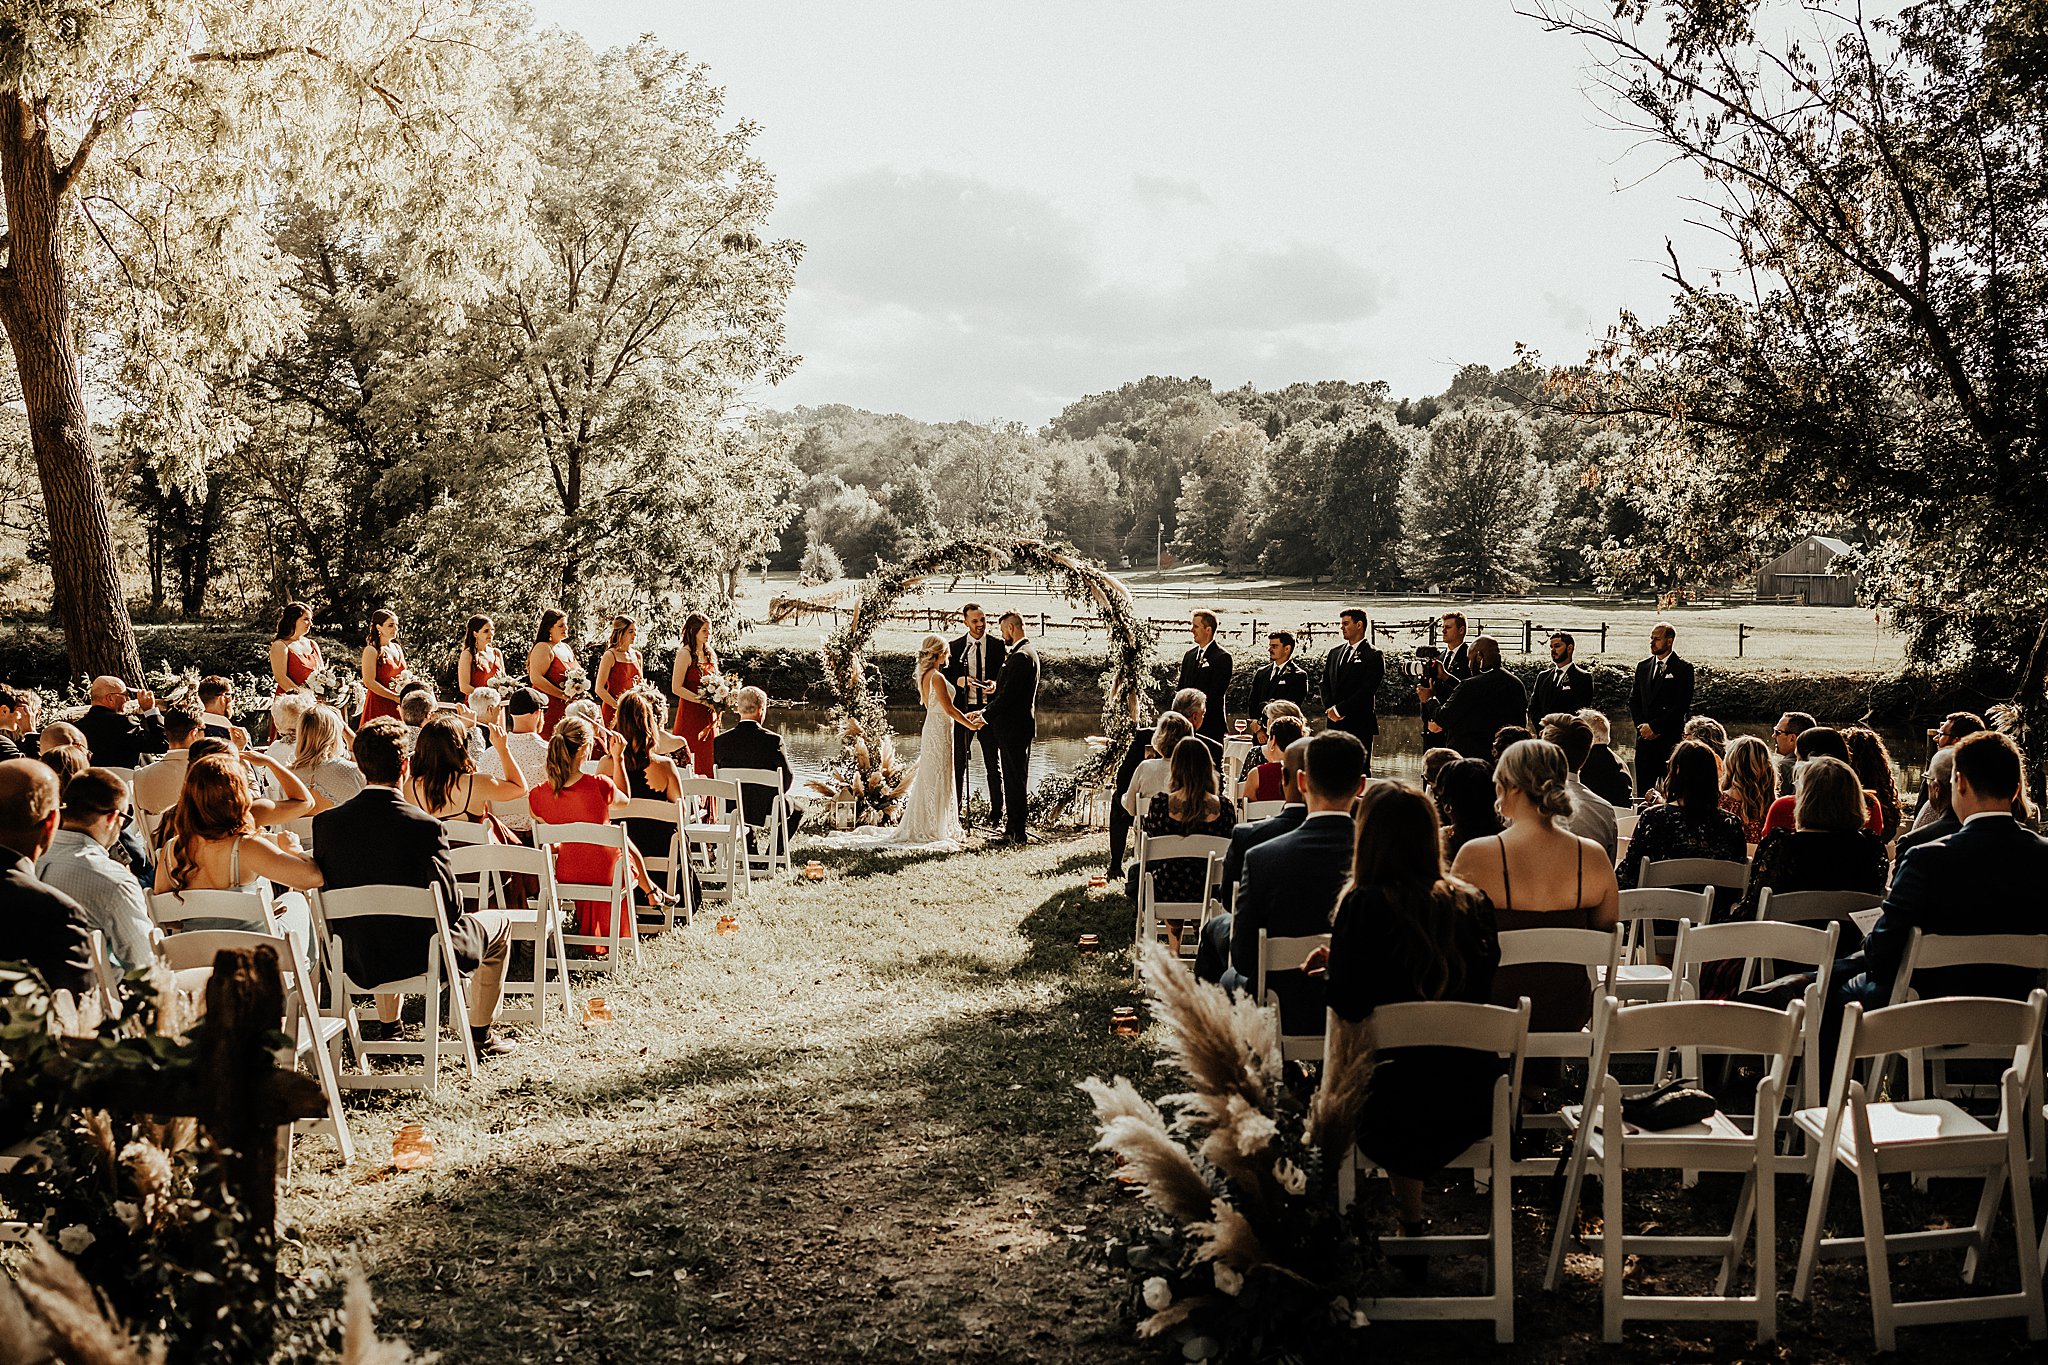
(1807, 570)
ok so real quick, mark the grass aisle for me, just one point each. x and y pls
(847, 1131)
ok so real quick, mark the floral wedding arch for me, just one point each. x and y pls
(867, 765)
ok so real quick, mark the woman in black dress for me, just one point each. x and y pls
(1690, 823)
(1192, 804)
(1831, 847)
(1405, 931)
(649, 775)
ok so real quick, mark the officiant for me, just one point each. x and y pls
(972, 663)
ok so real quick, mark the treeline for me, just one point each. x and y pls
(1490, 486)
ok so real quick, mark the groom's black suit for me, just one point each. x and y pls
(959, 666)
(1012, 714)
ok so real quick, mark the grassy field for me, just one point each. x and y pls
(848, 1131)
(1808, 639)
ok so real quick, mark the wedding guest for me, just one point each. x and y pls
(156, 785)
(1434, 761)
(1506, 738)
(1592, 816)
(1490, 698)
(1954, 728)
(479, 663)
(376, 839)
(1689, 822)
(1936, 818)
(548, 666)
(523, 711)
(486, 707)
(1603, 771)
(321, 759)
(1748, 784)
(217, 705)
(1190, 805)
(694, 720)
(67, 761)
(1150, 776)
(444, 782)
(1709, 732)
(416, 707)
(1830, 847)
(1264, 782)
(1821, 741)
(1659, 704)
(571, 796)
(1206, 668)
(619, 671)
(1873, 764)
(115, 736)
(603, 743)
(1281, 678)
(294, 653)
(1464, 797)
(215, 846)
(1785, 736)
(285, 714)
(1539, 876)
(383, 667)
(751, 744)
(17, 722)
(653, 776)
(1406, 930)
(46, 929)
(1351, 681)
(1190, 702)
(59, 733)
(1250, 834)
(1564, 686)
(78, 863)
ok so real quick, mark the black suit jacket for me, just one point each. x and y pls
(1990, 877)
(1351, 679)
(1608, 779)
(1012, 707)
(1482, 704)
(119, 740)
(1662, 706)
(1926, 834)
(1559, 689)
(377, 838)
(1278, 682)
(1206, 668)
(749, 744)
(1249, 836)
(993, 651)
(43, 927)
(1289, 888)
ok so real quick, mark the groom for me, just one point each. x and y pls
(1012, 716)
(972, 666)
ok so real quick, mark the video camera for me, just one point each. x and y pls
(1424, 667)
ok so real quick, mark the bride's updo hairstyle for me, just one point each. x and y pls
(930, 654)
(1537, 769)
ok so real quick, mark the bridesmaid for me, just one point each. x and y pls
(383, 666)
(294, 654)
(619, 671)
(695, 722)
(548, 664)
(479, 664)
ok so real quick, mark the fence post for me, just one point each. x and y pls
(1603, 637)
(1741, 637)
(1528, 629)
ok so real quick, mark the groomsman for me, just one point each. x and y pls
(1659, 704)
(971, 666)
(1563, 686)
(1206, 668)
(1351, 679)
(1281, 680)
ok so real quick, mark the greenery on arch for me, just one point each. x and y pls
(1064, 572)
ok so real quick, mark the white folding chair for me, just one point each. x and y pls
(1262, 810)
(1641, 976)
(668, 870)
(1479, 1028)
(1762, 949)
(1815, 907)
(1725, 873)
(768, 848)
(106, 981)
(1153, 912)
(247, 911)
(1928, 1135)
(716, 839)
(1288, 955)
(538, 922)
(316, 1037)
(1605, 1144)
(1594, 951)
(439, 970)
(606, 952)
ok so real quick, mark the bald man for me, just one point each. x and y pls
(117, 737)
(39, 924)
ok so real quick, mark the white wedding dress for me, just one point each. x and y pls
(931, 812)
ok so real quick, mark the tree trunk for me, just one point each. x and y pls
(98, 636)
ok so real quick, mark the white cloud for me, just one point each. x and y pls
(1166, 191)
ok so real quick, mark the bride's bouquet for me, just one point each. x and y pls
(717, 690)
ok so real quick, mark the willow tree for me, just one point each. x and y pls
(143, 144)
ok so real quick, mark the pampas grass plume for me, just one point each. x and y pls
(360, 1344)
(1226, 1048)
(79, 1330)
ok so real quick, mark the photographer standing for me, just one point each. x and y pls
(1485, 702)
(1564, 686)
(1659, 704)
(1351, 679)
(1449, 668)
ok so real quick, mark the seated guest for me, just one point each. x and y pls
(1265, 782)
(17, 722)
(524, 710)
(571, 796)
(1538, 875)
(1749, 784)
(292, 802)
(215, 847)
(1830, 848)
(488, 706)
(1149, 778)
(1592, 817)
(1505, 738)
(1405, 932)
(320, 758)
(653, 776)
(1194, 704)
(1786, 735)
(591, 714)
(78, 864)
(1873, 764)
(1434, 761)
(67, 761)
(114, 736)
(45, 928)
(1956, 727)
(1820, 741)
(415, 705)
(1709, 732)
(157, 785)
(1123, 809)
(1189, 805)
(217, 704)
(1689, 822)
(1936, 818)
(1290, 884)
(376, 839)
(1984, 879)
(285, 713)
(1485, 702)
(1603, 771)
(1250, 834)
(443, 781)
(751, 744)
(1464, 802)
(59, 733)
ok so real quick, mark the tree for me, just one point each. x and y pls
(1335, 509)
(1222, 500)
(1475, 499)
(1080, 497)
(989, 477)
(142, 143)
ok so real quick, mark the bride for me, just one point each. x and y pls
(931, 811)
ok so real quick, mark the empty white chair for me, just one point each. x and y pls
(439, 970)
(1262, 810)
(669, 870)
(1641, 976)
(1154, 912)
(1287, 955)
(1593, 951)
(715, 839)
(1603, 1143)
(539, 922)
(1873, 1140)
(607, 951)
(768, 850)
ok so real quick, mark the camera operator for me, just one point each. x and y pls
(1483, 703)
(1443, 668)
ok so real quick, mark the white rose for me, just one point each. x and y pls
(1227, 1280)
(75, 1239)
(1292, 1178)
(1157, 1294)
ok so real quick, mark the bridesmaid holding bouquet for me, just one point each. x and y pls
(294, 654)
(621, 668)
(695, 721)
(549, 665)
(383, 665)
(480, 663)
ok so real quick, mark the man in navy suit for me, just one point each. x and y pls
(1212, 958)
(1290, 885)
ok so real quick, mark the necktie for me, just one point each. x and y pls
(976, 648)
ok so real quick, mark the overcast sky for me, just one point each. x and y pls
(1006, 206)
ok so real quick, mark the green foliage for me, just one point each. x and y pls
(1476, 502)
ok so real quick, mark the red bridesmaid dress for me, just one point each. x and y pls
(696, 723)
(390, 663)
(485, 668)
(557, 673)
(621, 680)
(299, 664)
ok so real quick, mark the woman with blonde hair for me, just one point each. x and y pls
(618, 672)
(1749, 783)
(1151, 776)
(320, 759)
(571, 796)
